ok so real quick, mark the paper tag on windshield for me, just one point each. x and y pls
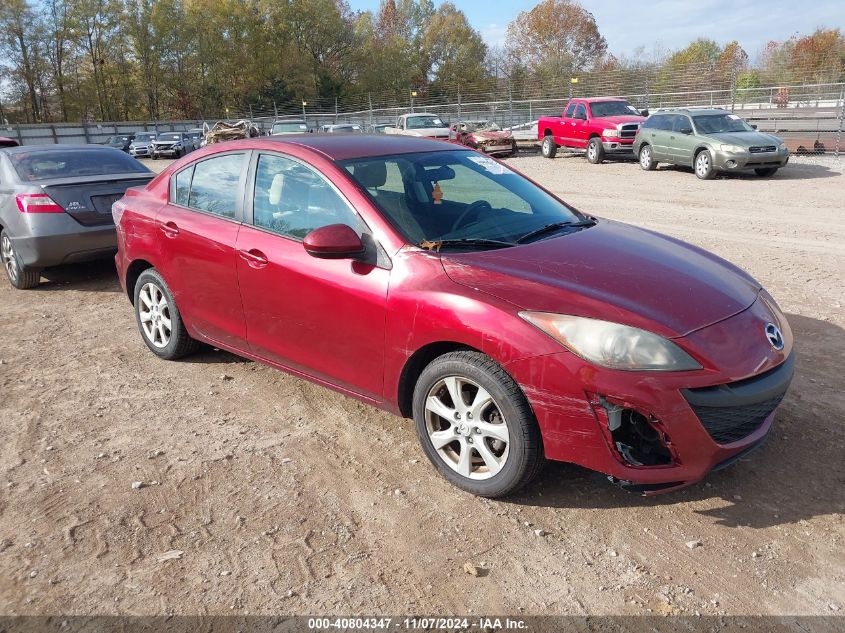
(490, 165)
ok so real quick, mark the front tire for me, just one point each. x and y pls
(20, 278)
(704, 166)
(766, 172)
(549, 147)
(647, 161)
(595, 151)
(159, 320)
(476, 426)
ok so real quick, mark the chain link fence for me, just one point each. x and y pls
(805, 106)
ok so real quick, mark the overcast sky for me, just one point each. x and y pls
(669, 24)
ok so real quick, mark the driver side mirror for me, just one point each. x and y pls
(686, 130)
(335, 241)
(644, 111)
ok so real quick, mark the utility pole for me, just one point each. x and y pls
(841, 122)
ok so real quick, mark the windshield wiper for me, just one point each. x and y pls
(554, 226)
(436, 245)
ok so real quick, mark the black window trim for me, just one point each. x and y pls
(239, 208)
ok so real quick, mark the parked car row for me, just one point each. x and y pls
(432, 281)
(710, 140)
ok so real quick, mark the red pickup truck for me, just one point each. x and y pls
(605, 125)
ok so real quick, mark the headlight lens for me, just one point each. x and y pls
(782, 147)
(733, 149)
(610, 133)
(612, 345)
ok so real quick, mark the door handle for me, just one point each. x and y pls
(169, 229)
(254, 258)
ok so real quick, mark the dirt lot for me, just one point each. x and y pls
(284, 497)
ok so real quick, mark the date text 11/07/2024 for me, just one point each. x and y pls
(417, 624)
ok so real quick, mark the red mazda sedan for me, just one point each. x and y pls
(439, 284)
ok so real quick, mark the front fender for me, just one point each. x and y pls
(427, 307)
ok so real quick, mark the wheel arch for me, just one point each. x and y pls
(547, 132)
(698, 150)
(415, 365)
(594, 135)
(133, 271)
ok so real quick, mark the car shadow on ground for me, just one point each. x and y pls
(96, 276)
(802, 171)
(208, 355)
(795, 476)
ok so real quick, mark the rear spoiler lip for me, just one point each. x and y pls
(89, 180)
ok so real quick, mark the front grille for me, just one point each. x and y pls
(628, 130)
(731, 424)
(760, 150)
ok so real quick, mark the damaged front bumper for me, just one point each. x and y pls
(655, 432)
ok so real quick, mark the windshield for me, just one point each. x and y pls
(456, 195)
(718, 123)
(613, 108)
(170, 137)
(421, 122)
(65, 163)
(144, 138)
(288, 127)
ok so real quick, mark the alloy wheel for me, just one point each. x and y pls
(466, 428)
(9, 260)
(154, 312)
(645, 157)
(702, 165)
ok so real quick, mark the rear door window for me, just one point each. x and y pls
(182, 189)
(214, 185)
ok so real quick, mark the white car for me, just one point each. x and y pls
(420, 124)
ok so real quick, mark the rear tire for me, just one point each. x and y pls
(159, 320)
(20, 278)
(488, 443)
(704, 166)
(549, 147)
(647, 161)
(765, 172)
(595, 151)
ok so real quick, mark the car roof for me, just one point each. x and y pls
(343, 147)
(691, 111)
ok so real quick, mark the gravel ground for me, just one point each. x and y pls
(262, 493)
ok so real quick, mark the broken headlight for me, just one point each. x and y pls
(612, 345)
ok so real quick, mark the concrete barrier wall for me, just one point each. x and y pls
(79, 133)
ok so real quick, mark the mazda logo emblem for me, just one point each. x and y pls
(774, 335)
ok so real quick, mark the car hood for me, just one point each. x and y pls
(615, 272)
(746, 139)
(492, 135)
(428, 131)
(620, 119)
